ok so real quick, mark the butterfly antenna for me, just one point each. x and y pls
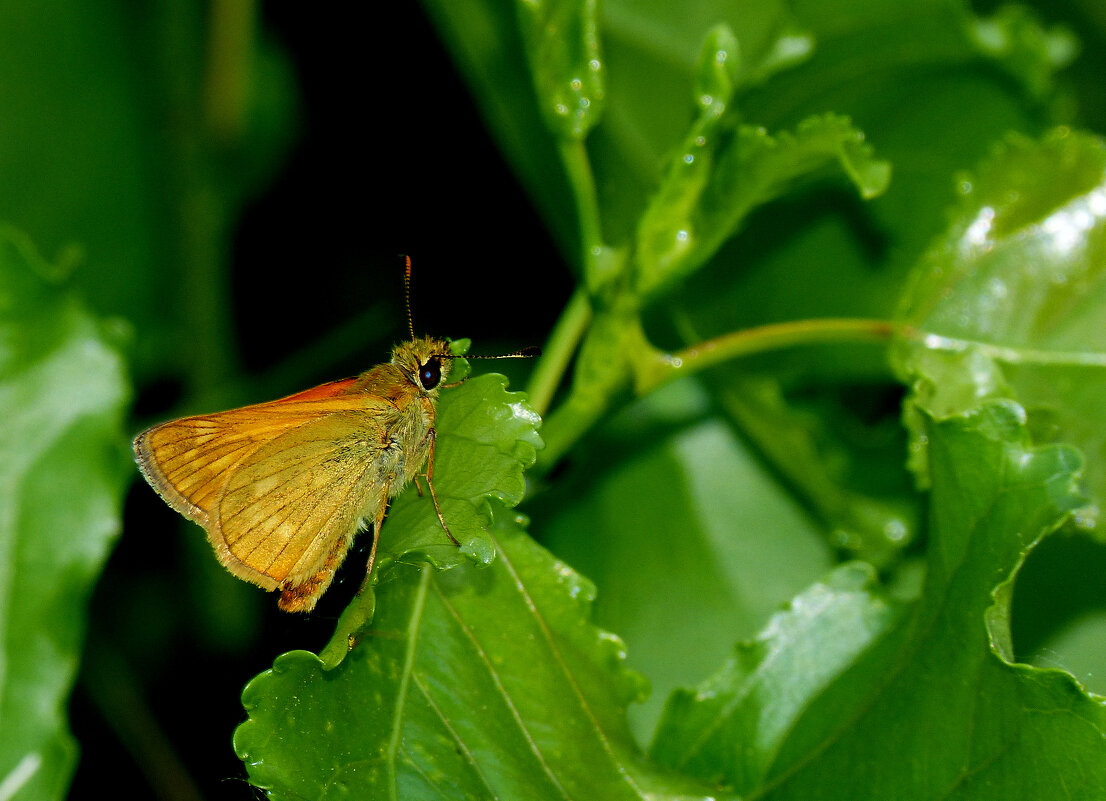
(407, 294)
(525, 353)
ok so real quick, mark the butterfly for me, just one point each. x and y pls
(283, 487)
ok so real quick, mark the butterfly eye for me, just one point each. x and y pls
(430, 373)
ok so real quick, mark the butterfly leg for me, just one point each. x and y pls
(430, 485)
(376, 539)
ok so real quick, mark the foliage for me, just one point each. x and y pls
(63, 393)
(826, 393)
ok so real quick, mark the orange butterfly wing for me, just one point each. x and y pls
(295, 503)
(279, 486)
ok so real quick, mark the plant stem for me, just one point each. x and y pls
(574, 157)
(560, 347)
(577, 315)
(650, 369)
(660, 368)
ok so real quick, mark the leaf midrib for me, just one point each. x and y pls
(413, 629)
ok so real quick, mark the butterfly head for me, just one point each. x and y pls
(425, 361)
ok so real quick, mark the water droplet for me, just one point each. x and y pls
(895, 530)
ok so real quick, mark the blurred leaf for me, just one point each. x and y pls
(938, 686)
(1058, 613)
(76, 169)
(1015, 39)
(1076, 647)
(563, 46)
(63, 469)
(475, 683)
(111, 144)
(1013, 298)
(734, 723)
(699, 543)
(843, 460)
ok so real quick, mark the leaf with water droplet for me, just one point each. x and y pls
(724, 169)
(562, 46)
(1011, 300)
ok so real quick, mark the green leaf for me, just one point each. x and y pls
(475, 683)
(1012, 299)
(912, 77)
(904, 72)
(919, 78)
(938, 690)
(724, 170)
(74, 170)
(655, 54)
(63, 468)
